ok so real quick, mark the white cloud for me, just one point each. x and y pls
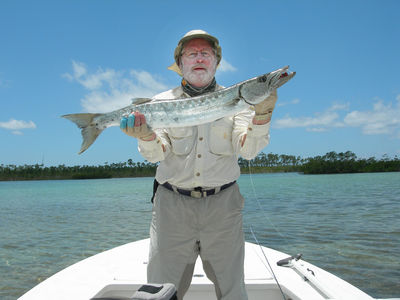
(295, 101)
(317, 129)
(326, 119)
(147, 80)
(381, 119)
(224, 66)
(292, 102)
(110, 89)
(339, 106)
(17, 125)
(91, 81)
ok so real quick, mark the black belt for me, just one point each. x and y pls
(197, 192)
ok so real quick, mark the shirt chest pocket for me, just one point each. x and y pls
(182, 140)
(221, 137)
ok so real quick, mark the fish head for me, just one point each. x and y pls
(256, 90)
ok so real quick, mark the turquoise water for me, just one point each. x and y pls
(348, 224)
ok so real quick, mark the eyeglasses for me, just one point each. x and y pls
(192, 54)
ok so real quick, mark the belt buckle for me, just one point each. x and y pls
(196, 194)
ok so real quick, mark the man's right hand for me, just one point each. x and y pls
(135, 126)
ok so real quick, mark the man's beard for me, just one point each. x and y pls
(198, 78)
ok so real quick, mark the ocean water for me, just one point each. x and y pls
(348, 224)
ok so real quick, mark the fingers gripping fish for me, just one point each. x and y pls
(186, 111)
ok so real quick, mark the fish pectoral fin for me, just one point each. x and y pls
(138, 101)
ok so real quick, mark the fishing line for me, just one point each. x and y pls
(260, 206)
(254, 236)
(265, 256)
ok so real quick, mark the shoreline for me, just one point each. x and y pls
(243, 172)
(330, 163)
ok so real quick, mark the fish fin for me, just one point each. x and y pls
(138, 101)
(89, 130)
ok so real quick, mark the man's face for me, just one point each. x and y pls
(198, 62)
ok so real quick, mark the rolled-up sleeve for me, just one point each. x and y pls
(153, 151)
(256, 136)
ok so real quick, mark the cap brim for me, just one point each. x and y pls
(200, 36)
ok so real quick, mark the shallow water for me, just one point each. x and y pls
(348, 224)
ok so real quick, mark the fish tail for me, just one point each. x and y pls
(89, 130)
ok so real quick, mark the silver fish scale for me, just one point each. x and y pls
(196, 111)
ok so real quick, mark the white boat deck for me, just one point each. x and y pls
(120, 271)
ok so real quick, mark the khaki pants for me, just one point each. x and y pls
(183, 228)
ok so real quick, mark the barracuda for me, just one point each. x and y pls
(186, 111)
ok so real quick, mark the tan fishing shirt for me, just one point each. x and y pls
(204, 155)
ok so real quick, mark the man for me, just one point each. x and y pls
(197, 208)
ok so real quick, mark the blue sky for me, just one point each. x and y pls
(60, 57)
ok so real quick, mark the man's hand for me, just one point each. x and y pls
(264, 109)
(135, 126)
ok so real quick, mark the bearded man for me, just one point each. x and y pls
(197, 207)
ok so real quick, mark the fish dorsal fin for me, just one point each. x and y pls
(138, 101)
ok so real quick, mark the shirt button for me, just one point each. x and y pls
(200, 138)
(198, 155)
(197, 174)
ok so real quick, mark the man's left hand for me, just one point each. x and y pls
(264, 109)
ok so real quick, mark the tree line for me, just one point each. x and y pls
(330, 163)
(347, 162)
(113, 170)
